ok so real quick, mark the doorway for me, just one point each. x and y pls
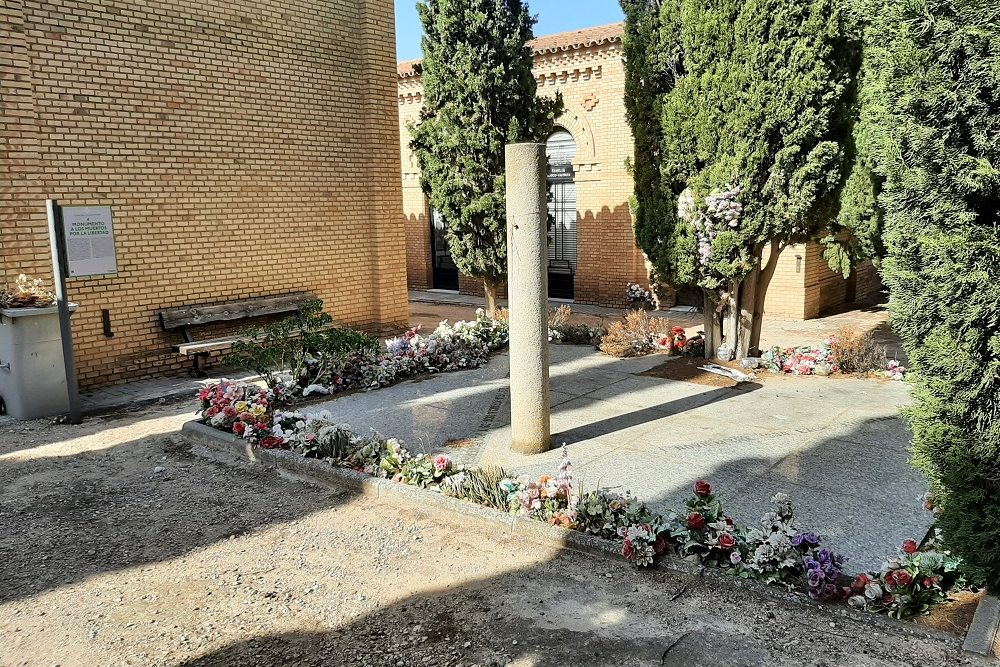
(444, 274)
(561, 150)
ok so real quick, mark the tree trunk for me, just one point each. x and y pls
(748, 302)
(490, 288)
(730, 317)
(763, 281)
(713, 334)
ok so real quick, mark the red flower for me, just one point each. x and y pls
(888, 599)
(860, 583)
(696, 521)
(702, 488)
(272, 442)
(627, 549)
(727, 541)
(660, 546)
(910, 546)
(898, 578)
(239, 428)
(729, 522)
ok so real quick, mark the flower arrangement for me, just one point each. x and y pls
(321, 360)
(703, 532)
(550, 499)
(910, 582)
(844, 352)
(243, 409)
(450, 347)
(774, 551)
(824, 571)
(802, 360)
(894, 370)
(27, 293)
(637, 295)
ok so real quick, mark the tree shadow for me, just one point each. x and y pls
(653, 413)
(571, 609)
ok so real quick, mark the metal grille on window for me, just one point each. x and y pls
(561, 149)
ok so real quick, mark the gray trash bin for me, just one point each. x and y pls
(32, 375)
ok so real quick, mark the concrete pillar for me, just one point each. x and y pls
(527, 293)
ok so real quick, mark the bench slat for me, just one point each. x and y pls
(186, 316)
(203, 346)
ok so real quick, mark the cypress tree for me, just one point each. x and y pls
(479, 95)
(756, 105)
(933, 84)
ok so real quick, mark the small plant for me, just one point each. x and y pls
(302, 349)
(27, 293)
(857, 352)
(634, 336)
(559, 317)
(483, 486)
(425, 471)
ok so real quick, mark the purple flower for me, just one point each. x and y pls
(808, 539)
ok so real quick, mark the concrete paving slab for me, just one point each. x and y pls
(837, 446)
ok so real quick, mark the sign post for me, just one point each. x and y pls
(59, 269)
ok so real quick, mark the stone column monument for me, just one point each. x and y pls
(527, 290)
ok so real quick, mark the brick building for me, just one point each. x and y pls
(593, 254)
(247, 148)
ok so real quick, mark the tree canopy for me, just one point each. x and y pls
(932, 87)
(479, 95)
(744, 117)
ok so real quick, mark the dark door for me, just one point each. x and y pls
(445, 273)
(561, 149)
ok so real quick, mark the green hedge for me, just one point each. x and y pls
(932, 84)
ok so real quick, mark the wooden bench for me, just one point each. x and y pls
(184, 318)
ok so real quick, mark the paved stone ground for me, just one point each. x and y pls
(427, 309)
(837, 446)
(119, 548)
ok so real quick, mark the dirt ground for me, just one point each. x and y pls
(119, 547)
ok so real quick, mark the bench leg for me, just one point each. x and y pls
(196, 369)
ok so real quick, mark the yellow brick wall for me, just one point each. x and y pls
(247, 148)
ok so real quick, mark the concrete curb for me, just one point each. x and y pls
(983, 637)
(227, 448)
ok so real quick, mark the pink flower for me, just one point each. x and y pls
(442, 462)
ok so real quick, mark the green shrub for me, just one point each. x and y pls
(932, 80)
(304, 346)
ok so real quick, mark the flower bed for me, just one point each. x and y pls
(322, 360)
(776, 550)
(826, 358)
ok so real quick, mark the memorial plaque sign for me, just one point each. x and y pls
(90, 241)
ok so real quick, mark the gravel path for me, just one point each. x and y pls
(118, 547)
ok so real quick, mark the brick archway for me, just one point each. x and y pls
(575, 122)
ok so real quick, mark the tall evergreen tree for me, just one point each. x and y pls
(755, 101)
(933, 85)
(479, 95)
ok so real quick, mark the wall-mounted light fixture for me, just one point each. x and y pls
(798, 264)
